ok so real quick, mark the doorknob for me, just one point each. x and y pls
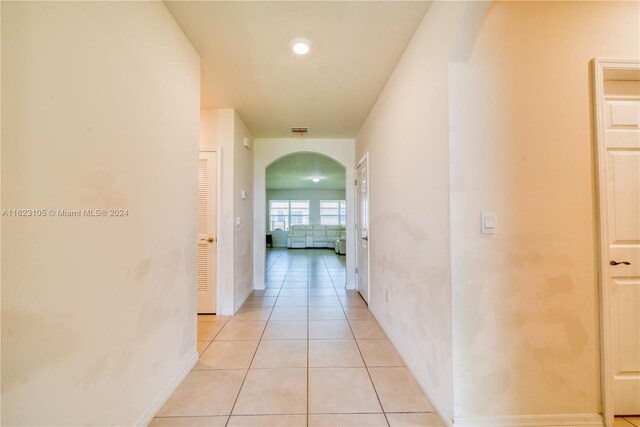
(365, 238)
(208, 239)
(616, 262)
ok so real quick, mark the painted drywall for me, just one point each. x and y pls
(243, 210)
(98, 313)
(313, 196)
(224, 129)
(406, 136)
(267, 151)
(526, 325)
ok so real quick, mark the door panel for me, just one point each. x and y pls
(622, 139)
(207, 241)
(362, 232)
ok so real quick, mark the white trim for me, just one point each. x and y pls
(146, 418)
(606, 344)
(268, 150)
(218, 151)
(365, 157)
(546, 420)
(424, 383)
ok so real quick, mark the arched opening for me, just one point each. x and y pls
(268, 152)
(306, 221)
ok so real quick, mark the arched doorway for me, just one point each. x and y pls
(269, 151)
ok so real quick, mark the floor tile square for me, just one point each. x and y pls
(218, 421)
(293, 292)
(268, 421)
(208, 330)
(379, 352)
(273, 391)
(367, 329)
(228, 355)
(633, 420)
(347, 420)
(202, 346)
(205, 393)
(212, 318)
(291, 301)
(255, 301)
(294, 285)
(329, 330)
(281, 354)
(322, 292)
(286, 330)
(341, 390)
(241, 331)
(358, 313)
(324, 301)
(353, 301)
(398, 391)
(334, 354)
(415, 420)
(289, 313)
(251, 313)
(326, 313)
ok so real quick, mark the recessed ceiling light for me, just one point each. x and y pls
(301, 46)
(315, 179)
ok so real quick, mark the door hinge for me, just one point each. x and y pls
(355, 182)
(356, 270)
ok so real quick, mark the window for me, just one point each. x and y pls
(285, 213)
(333, 212)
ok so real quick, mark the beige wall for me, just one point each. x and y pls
(98, 314)
(526, 337)
(243, 209)
(507, 132)
(223, 128)
(406, 136)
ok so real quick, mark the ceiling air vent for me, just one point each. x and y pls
(300, 130)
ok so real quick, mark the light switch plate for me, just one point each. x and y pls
(488, 223)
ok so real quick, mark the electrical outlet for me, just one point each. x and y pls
(386, 295)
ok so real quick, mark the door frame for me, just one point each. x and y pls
(365, 157)
(218, 151)
(599, 67)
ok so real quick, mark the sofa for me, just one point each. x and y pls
(341, 245)
(314, 236)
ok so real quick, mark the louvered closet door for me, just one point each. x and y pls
(207, 240)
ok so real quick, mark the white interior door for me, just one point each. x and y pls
(622, 177)
(207, 240)
(362, 230)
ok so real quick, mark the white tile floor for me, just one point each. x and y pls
(303, 352)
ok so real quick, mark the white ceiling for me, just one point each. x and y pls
(247, 62)
(294, 172)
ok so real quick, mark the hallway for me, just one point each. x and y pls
(302, 352)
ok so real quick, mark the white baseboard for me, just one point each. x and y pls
(146, 418)
(226, 312)
(546, 420)
(444, 413)
(259, 287)
(351, 285)
(241, 302)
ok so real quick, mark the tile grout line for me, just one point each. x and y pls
(362, 357)
(308, 272)
(252, 358)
